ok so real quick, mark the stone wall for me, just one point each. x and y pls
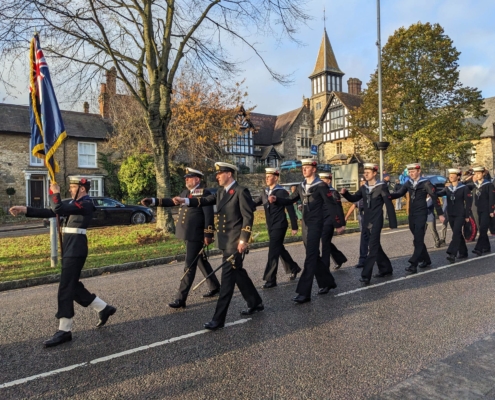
(485, 150)
(330, 149)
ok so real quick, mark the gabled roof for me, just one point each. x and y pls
(488, 122)
(326, 61)
(350, 101)
(15, 119)
(272, 128)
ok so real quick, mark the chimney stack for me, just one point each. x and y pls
(354, 85)
(112, 81)
(104, 101)
(306, 103)
(86, 107)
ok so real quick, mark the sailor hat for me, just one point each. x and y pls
(193, 172)
(273, 171)
(479, 169)
(456, 171)
(413, 166)
(371, 166)
(309, 161)
(325, 175)
(224, 167)
(77, 180)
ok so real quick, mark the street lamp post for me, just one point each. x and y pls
(379, 45)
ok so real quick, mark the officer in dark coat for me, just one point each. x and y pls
(195, 226)
(78, 214)
(484, 199)
(276, 222)
(459, 200)
(418, 189)
(328, 249)
(235, 220)
(314, 194)
(375, 194)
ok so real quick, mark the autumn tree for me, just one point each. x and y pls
(146, 41)
(428, 115)
(203, 115)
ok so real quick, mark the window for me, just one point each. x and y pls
(94, 191)
(87, 155)
(338, 148)
(35, 161)
(318, 105)
(337, 119)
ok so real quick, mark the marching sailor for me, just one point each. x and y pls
(235, 221)
(459, 200)
(276, 221)
(418, 188)
(78, 214)
(196, 227)
(484, 199)
(375, 194)
(314, 194)
(327, 247)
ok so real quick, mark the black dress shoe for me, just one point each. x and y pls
(211, 293)
(359, 266)
(294, 274)
(104, 314)
(338, 266)
(411, 270)
(177, 304)
(486, 251)
(364, 281)
(214, 325)
(451, 258)
(477, 252)
(424, 264)
(301, 299)
(383, 274)
(252, 310)
(325, 290)
(269, 285)
(59, 338)
(463, 257)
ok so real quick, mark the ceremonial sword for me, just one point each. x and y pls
(193, 261)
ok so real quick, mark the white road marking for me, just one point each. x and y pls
(419, 274)
(112, 356)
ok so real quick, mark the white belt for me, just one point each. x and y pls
(74, 230)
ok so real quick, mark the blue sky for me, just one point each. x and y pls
(351, 26)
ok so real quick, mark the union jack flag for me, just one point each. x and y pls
(47, 127)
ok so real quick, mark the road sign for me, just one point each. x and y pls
(314, 150)
(345, 176)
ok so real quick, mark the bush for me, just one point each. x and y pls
(10, 191)
(137, 177)
(244, 169)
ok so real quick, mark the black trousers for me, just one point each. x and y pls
(364, 242)
(328, 249)
(313, 264)
(231, 277)
(483, 243)
(71, 289)
(192, 250)
(457, 244)
(417, 226)
(375, 251)
(277, 249)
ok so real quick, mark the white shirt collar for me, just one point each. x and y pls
(226, 188)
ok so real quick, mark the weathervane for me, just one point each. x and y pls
(324, 19)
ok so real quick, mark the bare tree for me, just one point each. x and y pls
(146, 41)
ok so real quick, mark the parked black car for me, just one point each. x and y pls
(437, 180)
(110, 212)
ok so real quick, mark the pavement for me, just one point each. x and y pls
(427, 336)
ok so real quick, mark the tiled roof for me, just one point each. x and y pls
(326, 60)
(15, 119)
(271, 128)
(488, 122)
(350, 101)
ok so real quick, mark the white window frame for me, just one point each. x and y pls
(34, 161)
(79, 161)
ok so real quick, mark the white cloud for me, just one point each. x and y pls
(479, 76)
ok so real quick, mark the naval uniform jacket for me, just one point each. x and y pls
(313, 198)
(483, 195)
(77, 213)
(334, 208)
(459, 200)
(373, 200)
(417, 196)
(193, 224)
(275, 213)
(234, 213)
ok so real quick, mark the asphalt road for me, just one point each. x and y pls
(345, 345)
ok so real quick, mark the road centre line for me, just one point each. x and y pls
(112, 356)
(419, 274)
